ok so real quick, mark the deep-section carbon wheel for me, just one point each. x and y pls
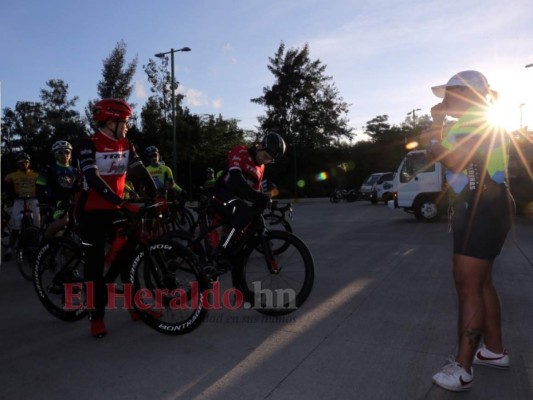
(168, 287)
(277, 283)
(58, 278)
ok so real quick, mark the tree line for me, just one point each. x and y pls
(303, 105)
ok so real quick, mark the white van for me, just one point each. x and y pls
(384, 189)
(368, 186)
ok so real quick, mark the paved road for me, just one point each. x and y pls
(380, 321)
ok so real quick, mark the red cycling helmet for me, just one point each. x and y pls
(111, 109)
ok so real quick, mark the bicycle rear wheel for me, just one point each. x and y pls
(169, 287)
(276, 283)
(29, 241)
(58, 278)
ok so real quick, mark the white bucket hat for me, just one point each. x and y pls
(473, 79)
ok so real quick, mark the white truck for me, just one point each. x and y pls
(420, 187)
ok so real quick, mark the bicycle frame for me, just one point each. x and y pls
(201, 243)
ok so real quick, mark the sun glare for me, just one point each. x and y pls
(504, 116)
(515, 100)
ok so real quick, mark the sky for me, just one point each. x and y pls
(382, 55)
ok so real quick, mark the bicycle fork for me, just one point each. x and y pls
(270, 260)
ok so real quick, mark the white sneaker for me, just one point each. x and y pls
(486, 357)
(454, 377)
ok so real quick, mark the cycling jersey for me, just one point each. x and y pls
(162, 175)
(23, 183)
(241, 180)
(58, 182)
(490, 152)
(240, 158)
(103, 163)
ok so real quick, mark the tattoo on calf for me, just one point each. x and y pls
(474, 337)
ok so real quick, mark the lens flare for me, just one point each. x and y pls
(300, 183)
(322, 176)
(411, 145)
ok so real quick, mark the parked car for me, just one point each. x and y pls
(383, 189)
(367, 188)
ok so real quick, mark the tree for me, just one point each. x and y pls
(116, 78)
(302, 105)
(62, 121)
(21, 126)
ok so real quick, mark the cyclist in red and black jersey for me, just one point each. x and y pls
(104, 159)
(241, 180)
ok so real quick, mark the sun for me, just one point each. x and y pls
(512, 110)
(504, 115)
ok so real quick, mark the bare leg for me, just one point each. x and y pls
(492, 330)
(471, 276)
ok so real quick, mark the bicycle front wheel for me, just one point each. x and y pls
(58, 278)
(277, 283)
(168, 287)
(29, 241)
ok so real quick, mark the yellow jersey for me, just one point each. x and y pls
(23, 182)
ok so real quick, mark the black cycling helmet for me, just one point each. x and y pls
(22, 156)
(210, 170)
(150, 150)
(274, 145)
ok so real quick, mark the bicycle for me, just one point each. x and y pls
(157, 266)
(272, 269)
(350, 195)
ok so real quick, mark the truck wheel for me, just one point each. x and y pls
(426, 210)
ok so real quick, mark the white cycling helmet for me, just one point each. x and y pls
(61, 145)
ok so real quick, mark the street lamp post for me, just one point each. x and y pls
(413, 113)
(174, 144)
(521, 106)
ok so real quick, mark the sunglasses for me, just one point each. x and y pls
(125, 122)
(63, 152)
(23, 162)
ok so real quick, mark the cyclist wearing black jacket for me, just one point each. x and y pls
(241, 180)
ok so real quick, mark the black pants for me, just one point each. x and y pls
(96, 228)
(237, 211)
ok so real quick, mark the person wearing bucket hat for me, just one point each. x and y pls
(475, 155)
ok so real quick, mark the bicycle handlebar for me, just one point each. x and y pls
(283, 210)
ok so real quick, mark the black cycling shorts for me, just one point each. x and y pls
(481, 222)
